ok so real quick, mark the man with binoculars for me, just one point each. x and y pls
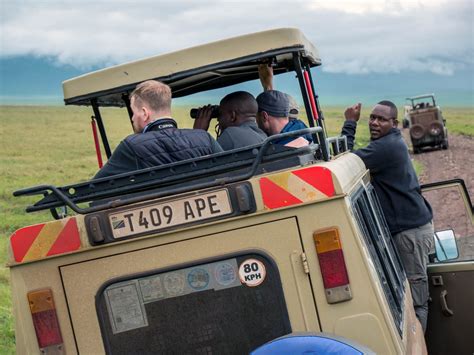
(236, 120)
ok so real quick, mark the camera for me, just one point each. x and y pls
(214, 114)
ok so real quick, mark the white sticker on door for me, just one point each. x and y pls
(252, 272)
(126, 311)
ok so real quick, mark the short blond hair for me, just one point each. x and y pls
(153, 93)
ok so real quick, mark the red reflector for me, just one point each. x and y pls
(333, 268)
(45, 319)
(47, 328)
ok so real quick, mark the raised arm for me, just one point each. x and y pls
(265, 72)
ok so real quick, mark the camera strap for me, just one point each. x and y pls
(160, 124)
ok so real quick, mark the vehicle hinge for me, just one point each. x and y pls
(305, 263)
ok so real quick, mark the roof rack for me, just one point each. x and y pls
(175, 178)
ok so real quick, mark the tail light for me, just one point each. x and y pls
(45, 321)
(332, 265)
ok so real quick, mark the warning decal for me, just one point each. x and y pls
(42, 240)
(252, 272)
(294, 187)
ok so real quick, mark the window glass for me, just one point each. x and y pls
(227, 306)
(450, 214)
(374, 228)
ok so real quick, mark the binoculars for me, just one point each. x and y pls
(214, 114)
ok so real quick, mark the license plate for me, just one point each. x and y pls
(170, 214)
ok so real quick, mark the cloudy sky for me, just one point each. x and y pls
(359, 40)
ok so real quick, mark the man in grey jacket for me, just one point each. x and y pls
(237, 125)
(408, 214)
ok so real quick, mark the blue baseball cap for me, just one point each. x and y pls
(274, 102)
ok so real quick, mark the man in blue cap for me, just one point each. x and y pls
(273, 118)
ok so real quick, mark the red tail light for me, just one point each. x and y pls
(332, 265)
(45, 319)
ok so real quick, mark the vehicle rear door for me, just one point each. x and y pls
(210, 292)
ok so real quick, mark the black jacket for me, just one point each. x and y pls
(393, 178)
(162, 143)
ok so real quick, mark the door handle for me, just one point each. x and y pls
(444, 304)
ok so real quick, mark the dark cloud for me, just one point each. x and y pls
(353, 37)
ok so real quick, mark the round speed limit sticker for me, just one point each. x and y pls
(252, 272)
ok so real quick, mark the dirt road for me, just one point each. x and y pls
(456, 162)
(448, 207)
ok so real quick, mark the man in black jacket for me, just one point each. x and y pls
(157, 139)
(408, 214)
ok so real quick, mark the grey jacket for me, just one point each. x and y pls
(241, 136)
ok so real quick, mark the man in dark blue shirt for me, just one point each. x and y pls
(408, 214)
(273, 117)
(272, 106)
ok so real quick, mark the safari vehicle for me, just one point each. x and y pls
(221, 254)
(426, 122)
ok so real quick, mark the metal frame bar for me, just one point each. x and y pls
(316, 99)
(320, 137)
(126, 99)
(96, 142)
(63, 196)
(338, 144)
(100, 123)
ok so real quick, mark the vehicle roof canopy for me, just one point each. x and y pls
(419, 97)
(205, 67)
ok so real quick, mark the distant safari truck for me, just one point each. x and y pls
(257, 249)
(426, 123)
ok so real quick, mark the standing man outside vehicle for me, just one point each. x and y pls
(408, 214)
(157, 139)
(237, 125)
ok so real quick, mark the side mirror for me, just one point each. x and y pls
(445, 245)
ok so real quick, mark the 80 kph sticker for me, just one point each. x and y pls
(252, 272)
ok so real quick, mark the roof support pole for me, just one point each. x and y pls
(305, 91)
(126, 99)
(96, 142)
(100, 124)
(316, 100)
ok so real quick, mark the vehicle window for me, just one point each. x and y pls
(381, 248)
(283, 82)
(227, 306)
(449, 213)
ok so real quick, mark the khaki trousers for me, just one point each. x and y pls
(414, 245)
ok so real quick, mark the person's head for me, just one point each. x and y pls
(273, 109)
(150, 100)
(237, 108)
(382, 119)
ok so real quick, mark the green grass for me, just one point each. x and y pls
(53, 145)
(459, 120)
(419, 167)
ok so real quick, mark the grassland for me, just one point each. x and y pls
(54, 145)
